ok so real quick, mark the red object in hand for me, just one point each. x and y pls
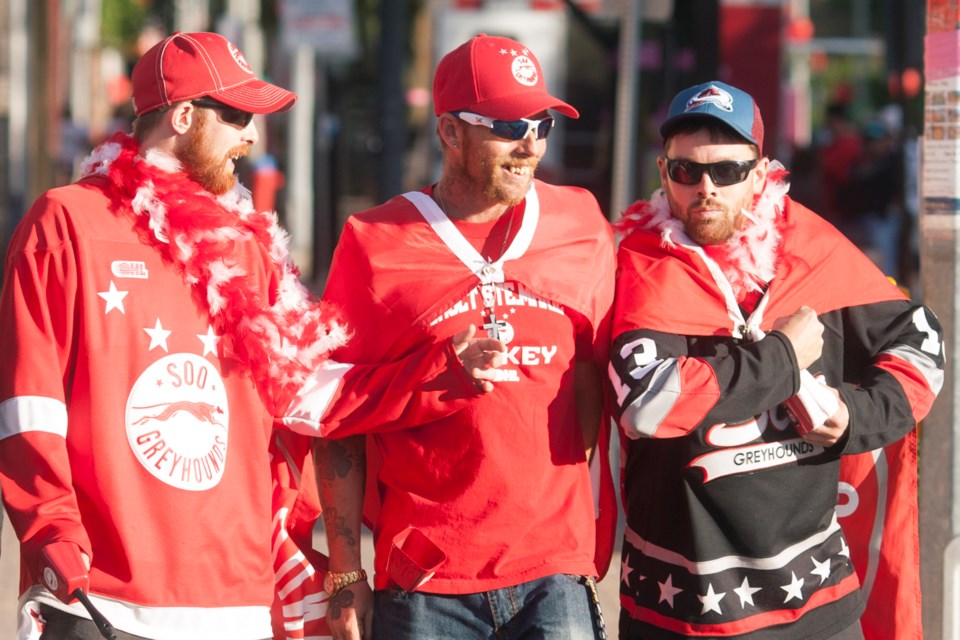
(63, 570)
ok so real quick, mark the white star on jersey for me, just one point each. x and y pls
(667, 591)
(114, 298)
(209, 340)
(711, 600)
(794, 589)
(821, 569)
(158, 337)
(626, 570)
(745, 591)
(844, 550)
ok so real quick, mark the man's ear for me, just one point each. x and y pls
(181, 116)
(760, 171)
(662, 166)
(448, 130)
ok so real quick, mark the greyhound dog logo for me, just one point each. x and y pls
(178, 421)
(711, 95)
(200, 410)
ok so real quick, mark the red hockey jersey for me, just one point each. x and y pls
(502, 486)
(128, 426)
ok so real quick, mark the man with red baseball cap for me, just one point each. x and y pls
(187, 66)
(155, 335)
(487, 524)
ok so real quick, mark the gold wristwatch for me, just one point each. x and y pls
(333, 582)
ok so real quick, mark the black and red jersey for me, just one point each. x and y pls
(732, 526)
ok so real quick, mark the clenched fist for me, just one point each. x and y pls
(805, 332)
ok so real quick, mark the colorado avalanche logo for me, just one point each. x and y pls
(239, 59)
(176, 418)
(711, 95)
(524, 71)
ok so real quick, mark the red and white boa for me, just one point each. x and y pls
(282, 336)
(749, 258)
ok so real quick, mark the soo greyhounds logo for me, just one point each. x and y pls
(176, 421)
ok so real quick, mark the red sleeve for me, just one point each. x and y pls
(39, 497)
(343, 400)
(383, 388)
(36, 312)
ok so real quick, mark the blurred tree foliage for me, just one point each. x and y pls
(122, 21)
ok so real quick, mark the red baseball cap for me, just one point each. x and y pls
(186, 66)
(495, 77)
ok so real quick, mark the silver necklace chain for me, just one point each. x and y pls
(492, 325)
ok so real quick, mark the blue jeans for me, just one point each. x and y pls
(558, 607)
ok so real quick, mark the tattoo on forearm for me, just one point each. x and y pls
(339, 602)
(337, 529)
(338, 461)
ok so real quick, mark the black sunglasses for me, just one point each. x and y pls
(229, 115)
(509, 129)
(721, 173)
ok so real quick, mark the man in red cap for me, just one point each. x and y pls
(155, 334)
(756, 354)
(486, 523)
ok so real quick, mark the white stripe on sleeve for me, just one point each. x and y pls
(32, 413)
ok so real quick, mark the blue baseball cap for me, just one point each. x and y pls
(735, 108)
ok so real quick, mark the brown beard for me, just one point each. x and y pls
(496, 192)
(710, 233)
(200, 164)
(487, 173)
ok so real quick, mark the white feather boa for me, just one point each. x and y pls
(749, 258)
(283, 336)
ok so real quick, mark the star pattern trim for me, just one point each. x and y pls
(794, 589)
(745, 592)
(668, 591)
(711, 600)
(821, 569)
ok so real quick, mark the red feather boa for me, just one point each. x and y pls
(748, 259)
(283, 335)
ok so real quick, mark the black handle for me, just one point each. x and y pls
(103, 625)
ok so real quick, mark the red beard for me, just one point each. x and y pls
(202, 166)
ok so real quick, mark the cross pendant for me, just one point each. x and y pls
(492, 326)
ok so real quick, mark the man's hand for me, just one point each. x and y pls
(480, 356)
(833, 429)
(350, 612)
(805, 333)
(63, 569)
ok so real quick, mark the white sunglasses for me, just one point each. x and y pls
(509, 129)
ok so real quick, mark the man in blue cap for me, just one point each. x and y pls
(753, 348)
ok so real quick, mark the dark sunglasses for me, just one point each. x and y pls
(721, 173)
(509, 129)
(229, 115)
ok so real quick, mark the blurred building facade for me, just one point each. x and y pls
(363, 130)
